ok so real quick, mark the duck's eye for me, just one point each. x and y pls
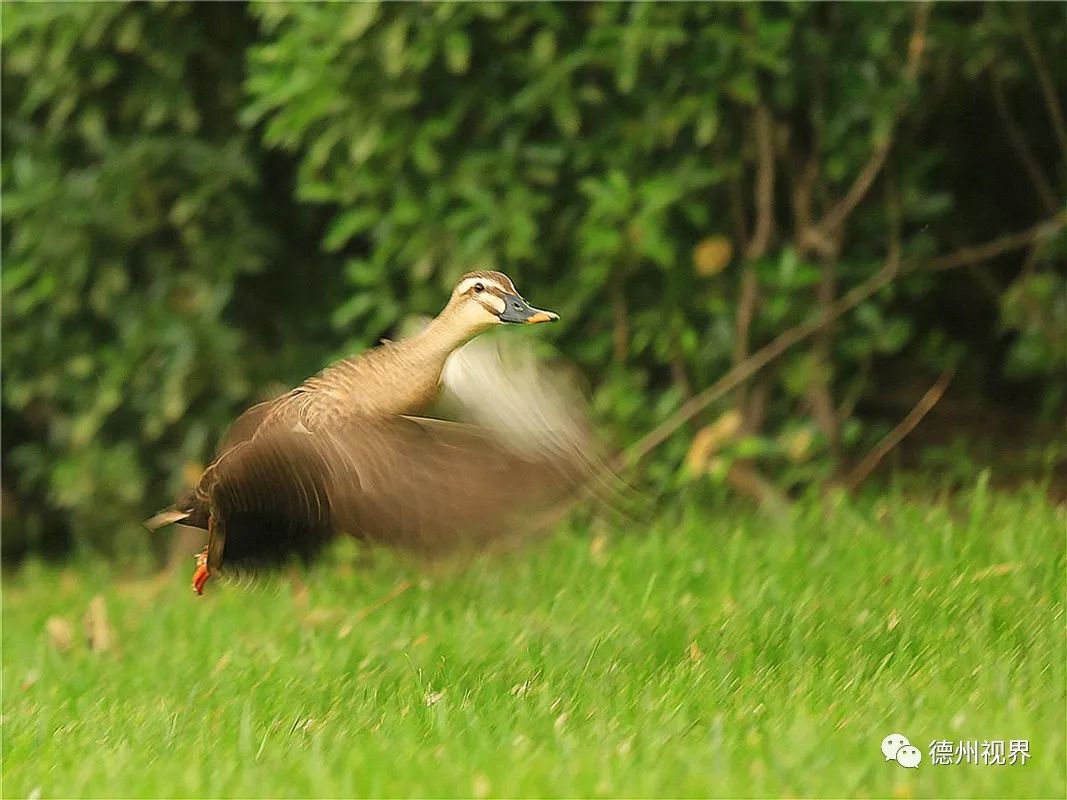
(479, 287)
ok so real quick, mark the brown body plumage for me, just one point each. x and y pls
(345, 452)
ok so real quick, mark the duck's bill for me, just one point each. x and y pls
(518, 310)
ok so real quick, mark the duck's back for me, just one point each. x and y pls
(392, 379)
(385, 381)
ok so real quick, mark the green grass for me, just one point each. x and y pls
(711, 654)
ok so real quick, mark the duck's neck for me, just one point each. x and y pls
(398, 378)
(444, 333)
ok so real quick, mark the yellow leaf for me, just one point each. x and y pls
(710, 438)
(797, 444)
(711, 255)
(60, 633)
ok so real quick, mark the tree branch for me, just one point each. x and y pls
(737, 211)
(764, 134)
(972, 254)
(819, 394)
(895, 436)
(678, 373)
(1044, 77)
(620, 332)
(746, 307)
(754, 363)
(836, 217)
(765, 355)
(1022, 147)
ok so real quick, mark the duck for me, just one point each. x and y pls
(356, 449)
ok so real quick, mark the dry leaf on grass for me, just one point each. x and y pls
(60, 633)
(893, 620)
(221, 664)
(98, 633)
(481, 787)
(299, 591)
(992, 571)
(695, 653)
(996, 571)
(321, 616)
(394, 593)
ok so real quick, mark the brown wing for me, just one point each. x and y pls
(423, 484)
(187, 510)
(246, 425)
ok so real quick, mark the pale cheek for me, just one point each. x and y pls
(476, 316)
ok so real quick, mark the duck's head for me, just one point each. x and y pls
(484, 299)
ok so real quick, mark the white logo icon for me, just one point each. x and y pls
(896, 747)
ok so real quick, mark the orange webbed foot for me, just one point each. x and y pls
(201, 574)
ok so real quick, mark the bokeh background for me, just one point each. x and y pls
(203, 203)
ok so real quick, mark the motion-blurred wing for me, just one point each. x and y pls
(184, 510)
(529, 404)
(423, 484)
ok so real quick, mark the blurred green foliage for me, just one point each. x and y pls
(202, 199)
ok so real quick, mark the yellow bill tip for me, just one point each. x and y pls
(542, 316)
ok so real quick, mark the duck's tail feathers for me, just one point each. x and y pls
(167, 517)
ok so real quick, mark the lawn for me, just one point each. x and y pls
(713, 653)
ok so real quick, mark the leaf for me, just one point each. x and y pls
(707, 127)
(358, 19)
(426, 156)
(393, 44)
(347, 225)
(742, 87)
(798, 373)
(457, 52)
(543, 48)
(98, 631)
(565, 113)
(60, 633)
(711, 255)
